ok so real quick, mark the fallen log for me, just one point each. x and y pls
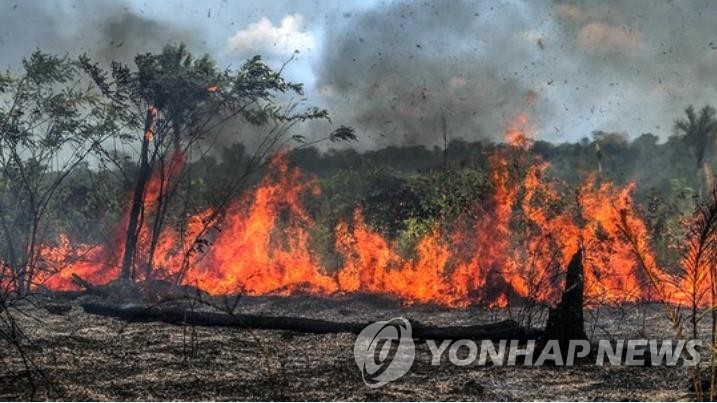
(82, 282)
(123, 290)
(504, 330)
(87, 286)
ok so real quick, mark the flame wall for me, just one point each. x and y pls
(264, 246)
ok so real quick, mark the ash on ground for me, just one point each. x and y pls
(88, 357)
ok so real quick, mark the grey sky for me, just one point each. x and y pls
(392, 69)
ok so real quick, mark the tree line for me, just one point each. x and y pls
(80, 142)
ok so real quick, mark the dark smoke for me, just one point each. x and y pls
(642, 62)
(395, 69)
(399, 68)
(628, 66)
(105, 30)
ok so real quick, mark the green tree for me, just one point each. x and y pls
(699, 131)
(172, 100)
(50, 121)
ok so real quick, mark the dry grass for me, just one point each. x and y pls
(98, 358)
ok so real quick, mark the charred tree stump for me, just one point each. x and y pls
(565, 321)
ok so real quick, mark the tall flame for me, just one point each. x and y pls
(517, 246)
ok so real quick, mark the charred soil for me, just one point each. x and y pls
(89, 357)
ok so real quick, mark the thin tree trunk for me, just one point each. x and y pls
(32, 255)
(11, 254)
(159, 216)
(166, 171)
(708, 178)
(145, 171)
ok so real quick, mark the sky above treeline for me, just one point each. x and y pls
(394, 69)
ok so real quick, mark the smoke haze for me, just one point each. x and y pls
(395, 69)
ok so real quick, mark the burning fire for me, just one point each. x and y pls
(518, 247)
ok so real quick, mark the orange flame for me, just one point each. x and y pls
(517, 247)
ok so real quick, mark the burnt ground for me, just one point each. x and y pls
(88, 357)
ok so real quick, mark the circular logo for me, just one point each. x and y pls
(384, 351)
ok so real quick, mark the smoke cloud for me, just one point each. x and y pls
(396, 69)
(644, 61)
(105, 30)
(400, 68)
